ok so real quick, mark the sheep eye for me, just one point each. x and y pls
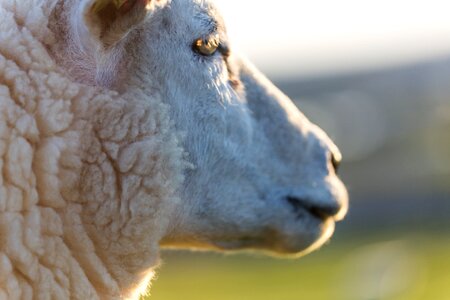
(207, 46)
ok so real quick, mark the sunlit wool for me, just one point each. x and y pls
(73, 218)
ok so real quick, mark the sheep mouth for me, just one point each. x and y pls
(288, 238)
(279, 243)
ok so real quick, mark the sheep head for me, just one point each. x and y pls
(261, 175)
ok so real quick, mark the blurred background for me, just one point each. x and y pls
(376, 76)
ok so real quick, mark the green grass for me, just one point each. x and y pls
(395, 268)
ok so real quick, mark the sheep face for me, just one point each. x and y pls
(263, 176)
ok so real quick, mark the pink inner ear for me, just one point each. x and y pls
(129, 4)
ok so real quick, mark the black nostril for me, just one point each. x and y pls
(321, 211)
(336, 160)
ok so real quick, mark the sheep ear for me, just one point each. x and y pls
(109, 21)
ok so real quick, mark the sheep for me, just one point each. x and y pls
(131, 125)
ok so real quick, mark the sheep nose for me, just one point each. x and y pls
(336, 159)
(322, 211)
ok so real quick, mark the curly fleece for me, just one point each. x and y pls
(88, 176)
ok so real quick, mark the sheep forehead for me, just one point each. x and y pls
(200, 14)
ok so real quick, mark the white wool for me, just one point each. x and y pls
(75, 163)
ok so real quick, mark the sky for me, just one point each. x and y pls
(313, 37)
